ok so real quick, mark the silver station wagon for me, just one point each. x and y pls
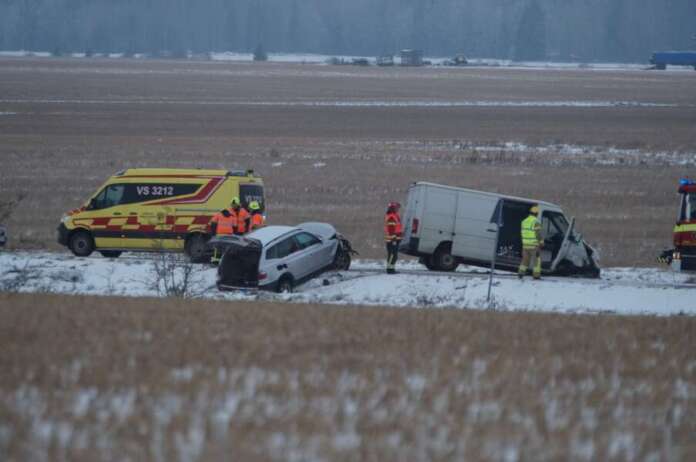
(280, 257)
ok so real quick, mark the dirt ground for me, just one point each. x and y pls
(67, 124)
(98, 378)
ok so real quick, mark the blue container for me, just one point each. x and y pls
(662, 59)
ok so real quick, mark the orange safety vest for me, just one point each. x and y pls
(225, 224)
(392, 227)
(242, 221)
(257, 221)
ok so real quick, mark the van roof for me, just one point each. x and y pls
(500, 196)
(183, 172)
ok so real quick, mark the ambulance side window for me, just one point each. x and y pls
(692, 206)
(110, 196)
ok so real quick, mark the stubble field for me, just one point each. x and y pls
(107, 378)
(85, 378)
(334, 143)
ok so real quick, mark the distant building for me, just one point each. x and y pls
(385, 60)
(411, 57)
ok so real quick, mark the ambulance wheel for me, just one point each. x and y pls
(443, 260)
(81, 244)
(196, 249)
(110, 253)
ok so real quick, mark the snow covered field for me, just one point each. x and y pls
(620, 290)
(314, 58)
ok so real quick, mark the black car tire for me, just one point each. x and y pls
(443, 260)
(427, 262)
(285, 285)
(110, 253)
(81, 244)
(196, 249)
(342, 261)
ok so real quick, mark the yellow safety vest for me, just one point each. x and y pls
(530, 227)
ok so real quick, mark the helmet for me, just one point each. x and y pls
(534, 210)
(234, 201)
(394, 205)
(254, 205)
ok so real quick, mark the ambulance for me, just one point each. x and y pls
(155, 210)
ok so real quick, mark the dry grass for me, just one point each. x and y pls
(105, 378)
(59, 153)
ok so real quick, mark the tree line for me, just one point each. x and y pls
(577, 30)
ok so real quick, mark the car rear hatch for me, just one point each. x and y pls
(239, 266)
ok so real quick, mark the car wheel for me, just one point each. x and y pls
(343, 261)
(81, 244)
(110, 253)
(285, 285)
(443, 259)
(196, 249)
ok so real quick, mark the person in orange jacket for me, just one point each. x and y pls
(242, 216)
(393, 232)
(223, 223)
(256, 220)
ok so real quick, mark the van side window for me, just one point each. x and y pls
(108, 197)
(692, 206)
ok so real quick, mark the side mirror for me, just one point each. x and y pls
(92, 204)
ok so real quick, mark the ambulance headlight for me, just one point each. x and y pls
(65, 219)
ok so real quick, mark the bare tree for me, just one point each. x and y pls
(174, 275)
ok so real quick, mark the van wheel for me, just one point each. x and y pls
(285, 285)
(81, 244)
(196, 249)
(443, 260)
(110, 253)
(428, 263)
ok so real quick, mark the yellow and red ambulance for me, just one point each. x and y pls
(156, 209)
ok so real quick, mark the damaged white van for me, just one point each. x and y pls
(447, 226)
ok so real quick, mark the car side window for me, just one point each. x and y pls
(282, 249)
(305, 240)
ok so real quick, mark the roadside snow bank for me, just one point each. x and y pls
(621, 290)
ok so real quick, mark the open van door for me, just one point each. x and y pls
(565, 246)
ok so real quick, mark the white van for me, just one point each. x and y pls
(446, 226)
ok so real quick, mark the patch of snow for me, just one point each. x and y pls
(620, 290)
(319, 165)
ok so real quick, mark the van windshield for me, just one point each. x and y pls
(691, 210)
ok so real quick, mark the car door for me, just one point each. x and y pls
(285, 256)
(313, 253)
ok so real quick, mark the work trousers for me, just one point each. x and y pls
(531, 256)
(392, 255)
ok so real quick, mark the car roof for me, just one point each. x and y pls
(270, 233)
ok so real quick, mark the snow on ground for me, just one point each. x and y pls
(314, 58)
(620, 290)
